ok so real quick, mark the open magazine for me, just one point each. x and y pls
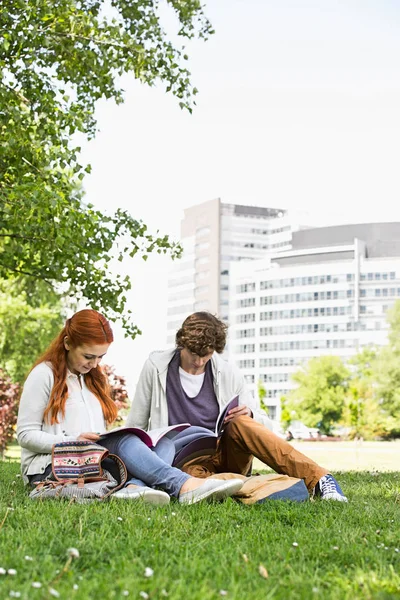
(205, 445)
(151, 437)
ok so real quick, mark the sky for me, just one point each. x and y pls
(298, 108)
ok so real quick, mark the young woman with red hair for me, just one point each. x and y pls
(66, 397)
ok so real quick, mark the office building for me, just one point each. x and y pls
(214, 236)
(327, 294)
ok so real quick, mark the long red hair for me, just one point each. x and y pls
(84, 327)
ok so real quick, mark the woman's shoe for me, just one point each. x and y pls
(212, 490)
(147, 494)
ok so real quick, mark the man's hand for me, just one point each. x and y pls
(89, 437)
(239, 411)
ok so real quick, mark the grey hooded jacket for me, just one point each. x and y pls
(149, 408)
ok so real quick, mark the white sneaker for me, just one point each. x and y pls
(147, 494)
(212, 490)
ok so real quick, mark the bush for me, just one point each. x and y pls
(9, 395)
(119, 392)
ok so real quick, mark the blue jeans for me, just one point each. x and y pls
(146, 466)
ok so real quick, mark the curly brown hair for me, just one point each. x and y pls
(202, 333)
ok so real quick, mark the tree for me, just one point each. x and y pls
(25, 330)
(57, 58)
(319, 399)
(388, 366)
(262, 394)
(9, 394)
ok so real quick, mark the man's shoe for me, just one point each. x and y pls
(328, 488)
(147, 494)
(212, 490)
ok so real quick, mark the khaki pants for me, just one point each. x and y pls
(242, 440)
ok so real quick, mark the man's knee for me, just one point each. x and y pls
(239, 425)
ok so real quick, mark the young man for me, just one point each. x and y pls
(192, 383)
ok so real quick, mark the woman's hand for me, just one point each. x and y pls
(89, 437)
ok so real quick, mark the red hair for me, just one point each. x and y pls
(84, 327)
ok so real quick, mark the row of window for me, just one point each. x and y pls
(377, 276)
(245, 333)
(283, 362)
(318, 296)
(250, 363)
(379, 292)
(302, 297)
(315, 280)
(271, 231)
(274, 378)
(310, 328)
(296, 345)
(322, 279)
(245, 287)
(300, 313)
(307, 345)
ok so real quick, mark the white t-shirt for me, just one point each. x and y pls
(191, 383)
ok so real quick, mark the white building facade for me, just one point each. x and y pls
(329, 294)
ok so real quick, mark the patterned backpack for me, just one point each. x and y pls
(79, 473)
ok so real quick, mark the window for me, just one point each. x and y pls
(247, 364)
(246, 302)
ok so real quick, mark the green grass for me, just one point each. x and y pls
(196, 552)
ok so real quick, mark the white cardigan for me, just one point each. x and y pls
(149, 408)
(83, 413)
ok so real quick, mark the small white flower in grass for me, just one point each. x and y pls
(336, 547)
(396, 550)
(12, 571)
(143, 595)
(119, 519)
(36, 584)
(164, 592)
(263, 571)
(75, 587)
(173, 514)
(125, 593)
(148, 572)
(73, 552)
(28, 557)
(15, 594)
(2, 571)
(315, 590)
(223, 593)
(295, 544)
(54, 593)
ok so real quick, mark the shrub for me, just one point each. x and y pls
(119, 392)
(9, 395)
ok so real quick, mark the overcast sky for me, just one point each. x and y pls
(298, 108)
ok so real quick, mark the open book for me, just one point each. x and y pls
(151, 437)
(205, 445)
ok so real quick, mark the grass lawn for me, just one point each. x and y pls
(351, 456)
(203, 552)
